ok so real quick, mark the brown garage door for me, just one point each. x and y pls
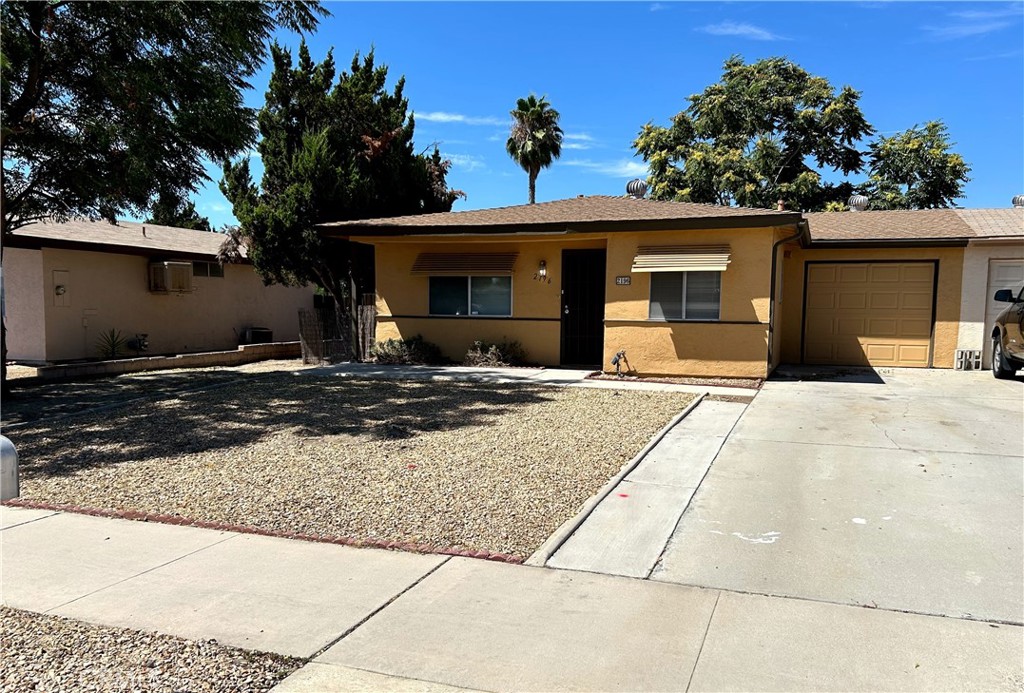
(869, 313)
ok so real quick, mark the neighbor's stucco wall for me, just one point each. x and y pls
(736, 346)
(947, 299)
(107, 291)
(23, 292)
(973, 332)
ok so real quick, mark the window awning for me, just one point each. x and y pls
(681, 258)
(465, 263)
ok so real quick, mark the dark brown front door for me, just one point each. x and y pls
(583, 307)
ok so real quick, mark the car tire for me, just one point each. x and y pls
(1000, 366)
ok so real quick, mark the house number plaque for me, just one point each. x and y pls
(622, 281)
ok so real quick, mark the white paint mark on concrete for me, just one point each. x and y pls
(715, 531)
(887, 517)
(765, 538)
(973, 577)
(859, 521)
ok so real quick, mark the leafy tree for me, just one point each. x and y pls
(915, 169)
(331, 151)
(170, 210)
(104, 104)
(761, 134)
(535, 140)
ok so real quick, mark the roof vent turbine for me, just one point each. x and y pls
(636, 188)
(858, 203)
(1018, 200)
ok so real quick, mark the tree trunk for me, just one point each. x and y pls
(533, 187)
(4, 388)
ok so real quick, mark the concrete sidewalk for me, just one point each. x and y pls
(382, 620)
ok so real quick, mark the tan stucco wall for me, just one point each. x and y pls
(973, 333)
(23, 289)
(109, 291)
(947, 300)
(736, 346)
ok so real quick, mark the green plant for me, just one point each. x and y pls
(111, 344)
(495, 355)
(412, 351)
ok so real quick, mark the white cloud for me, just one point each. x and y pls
(658, 7)
(467, 162)
(1015, 10)
(952, 32)
(623, 168)
(575, 145)
(994, 56)
(741, 29)
(444, 117)
(580, 136)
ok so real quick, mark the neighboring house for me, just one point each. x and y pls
(684, 289)
(67, 284)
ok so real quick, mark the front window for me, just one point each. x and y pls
(480, 296)
(685, 295)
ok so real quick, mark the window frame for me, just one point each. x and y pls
(469, 295)
(650, 297)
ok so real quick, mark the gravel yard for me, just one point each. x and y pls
(478, 466)
(49, 653)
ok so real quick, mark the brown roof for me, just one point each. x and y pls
(588, 211)
(919, 224)
(125, 236)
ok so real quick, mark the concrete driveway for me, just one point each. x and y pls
(901, 490)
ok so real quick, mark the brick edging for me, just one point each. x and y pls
(246, 529)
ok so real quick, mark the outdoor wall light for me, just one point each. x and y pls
(542, 270)
(60, 289)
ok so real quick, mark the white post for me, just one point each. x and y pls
(8, 470)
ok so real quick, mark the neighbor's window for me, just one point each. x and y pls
(207, 269)
(685, 295)
(483, 296)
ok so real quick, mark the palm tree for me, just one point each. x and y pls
(535, 140)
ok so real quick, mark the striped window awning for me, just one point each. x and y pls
(681, 258)
(491, 264)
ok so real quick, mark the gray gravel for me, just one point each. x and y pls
(475, 466)
(49, 653)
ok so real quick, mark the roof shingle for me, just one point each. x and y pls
(916, 224)
(126, 234)
(577, 210)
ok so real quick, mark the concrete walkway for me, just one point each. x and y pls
(627, 532)
(380, 620)
(542, 376)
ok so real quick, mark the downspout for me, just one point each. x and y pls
(802, 230)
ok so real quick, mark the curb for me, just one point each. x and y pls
(136, 515)
(553, 543)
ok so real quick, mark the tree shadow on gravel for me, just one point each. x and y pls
(241, 414)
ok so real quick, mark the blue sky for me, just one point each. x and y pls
(610, 67)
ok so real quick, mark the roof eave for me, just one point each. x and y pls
(346, 230)
(889, 243)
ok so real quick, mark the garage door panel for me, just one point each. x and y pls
(918, 273)
(866, 313)
(914, 354)
(852, 274)
(883, 327)
(919, 329)
(822, 300)
(916, 300)
(884, 273)
(884, 300)
(857, 300)
(821, 274)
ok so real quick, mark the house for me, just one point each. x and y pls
(685, 289)
(66, 284)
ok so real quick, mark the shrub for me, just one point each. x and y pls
(412, 351)
(111, 344)
(495, 355)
